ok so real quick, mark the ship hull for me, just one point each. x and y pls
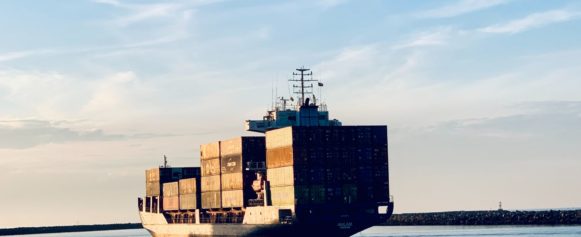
(158, 227)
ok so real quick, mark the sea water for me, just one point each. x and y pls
(386, 231)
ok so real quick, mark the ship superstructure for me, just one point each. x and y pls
(302, 110)
(308, 175)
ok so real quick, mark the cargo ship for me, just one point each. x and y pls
(304, 175)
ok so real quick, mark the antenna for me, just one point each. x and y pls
(164, 162)
(301, 87)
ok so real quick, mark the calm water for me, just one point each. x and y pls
(385, 231)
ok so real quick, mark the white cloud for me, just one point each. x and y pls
(532, 21)
(460, 8)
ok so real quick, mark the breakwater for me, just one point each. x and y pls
(500, 217)
(74, 228)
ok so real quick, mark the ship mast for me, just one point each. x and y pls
(303, 72)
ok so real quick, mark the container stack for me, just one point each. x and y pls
(171, 196)
(189, 194)
(156, 177)
(236, 179)
(211, 181)
(324, 165)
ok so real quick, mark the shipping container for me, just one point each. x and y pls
(231, 146)
(210, 150)
(171, 203)
(282, 176)
(279, 157)
(153, 188)
(317, 194)
(349, 193)
(302, 195)
(211, 183)
(211, 200)
(210, 167)
(231, 163)
(233, 181)
(165, 175)
(171, 189)
(282, 196)
(339, 136)
(188, 201)
(232, 198)
(188, 186)
(237, 152)
(281, 137)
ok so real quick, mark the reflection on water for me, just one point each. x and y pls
(396, 231)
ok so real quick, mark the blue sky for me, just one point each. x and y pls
(481, 97)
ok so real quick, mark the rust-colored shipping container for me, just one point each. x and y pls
(188, 186)
(210, 167)
(210, 150)
(279, 157)
(282, 176)
(211, 183)
(211, 200)
(232, 198)
(188, 201)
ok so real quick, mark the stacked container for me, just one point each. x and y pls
(316, 166)
(236, 179)
(156, 177)
(189, 194)
(211, 181)
(171, 196)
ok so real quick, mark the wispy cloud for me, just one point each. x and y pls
(532, 21)
(460, 8)
(142, 12)
(9, 56)
(331, 3)
(430, 38)
(22, 134)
